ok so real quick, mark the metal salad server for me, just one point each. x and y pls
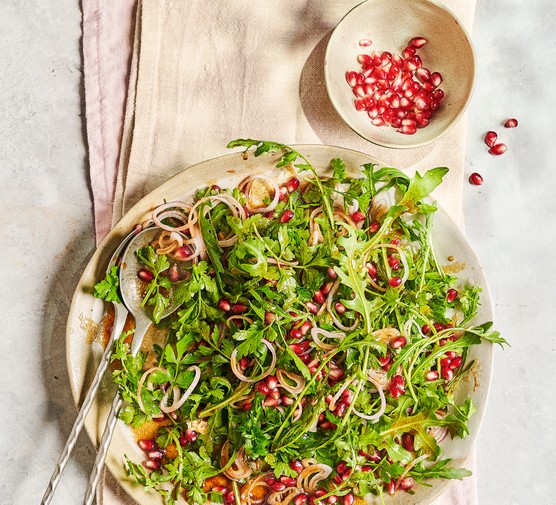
(132, 295)
(120, 315)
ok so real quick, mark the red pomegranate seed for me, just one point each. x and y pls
(262, 387)
(431, 375)
(296, 333)
(272, 382)
(191, 435)
(229, 498)
(331, 500)
(283, 194)
(351, 78)
(292, 184)
(407, 442)
(300, 499)
(219, 489)
(288, 481)
(447, 373)
(498, 149)
(325, 288)
(224, 305)
(374, 226)
(340, 307)
(408, 52)
(391, 488)
(446, 361)
(384, 360)
(349, 499)
(476, 179)
(286, 216)
(145, 275)
(418, 42)
(511, 123)
(436, 79)
(296, 465)
(424, 74)
(278, 486)
(365, 42)
(371, 268)
(312, 307)
(451, 295)
(456, 362)
(358, 217)
(395, 282)
(238, 308)
(155, 454)
(319, 296)
(271, 402)
(398, 342)
(407, 483)
(490, 138)
(146, 445)
(151, 464)
(297, 349)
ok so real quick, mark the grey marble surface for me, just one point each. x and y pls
(47, 238)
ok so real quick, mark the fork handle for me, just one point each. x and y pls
(142, 325)
(120, 315)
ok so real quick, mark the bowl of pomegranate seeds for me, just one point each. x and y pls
(400, 73)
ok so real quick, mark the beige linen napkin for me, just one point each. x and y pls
(204, 73)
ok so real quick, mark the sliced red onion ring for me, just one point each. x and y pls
(178, 402)
(382, 408)
(235, 367)
(315, 330)
(142, 382)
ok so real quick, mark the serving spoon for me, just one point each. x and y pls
(131, 288)
(120, 316)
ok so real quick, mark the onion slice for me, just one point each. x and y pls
(315, 330)
(382, 408)
(142, 382)
(179, 401)
(244, 378)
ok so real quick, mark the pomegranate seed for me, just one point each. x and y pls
(296, 333)
(191, 435)
(490, 138)
(511, 123)
(277, 486)
(456, 362)
(398, 342)
(319, 296)
(340, 307)
(319, 493)
(155, 454)
(374, 227)
(393, 262)
(326, 288)
(336, 374)
(407, 483)
(296, 465)
(341, 467)
(446, 362)
(408, 52)
(286, 400)
(431, 375)
(312, 307)
(271, 402)
(288, 481)
(292, 184)
(447, 373)
(418, 42)
(476, 179)
(365, 42)
(384, 360)
(300, 499)
(358, 217)
(219, 489)
(391, 488)
(182, 253)
(146, 445)
(283, 194)
(394, 282)
(269, 317)
(238, 308)
(244, 363)
(498, 149)
(224, 305)
(407, 442)
(366, 468)
(145, 275)
(331, 273)
(451, 295)
(262, 387)
(371, 268)
(286, 216)
(151, 464)
(426, 329)
(424, 74)
(436, 79)
(229, 498)
(272, 382)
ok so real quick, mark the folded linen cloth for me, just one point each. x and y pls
(193, 75)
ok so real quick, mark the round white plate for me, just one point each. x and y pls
(228, 171)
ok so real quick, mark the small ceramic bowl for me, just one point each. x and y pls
(390, 25)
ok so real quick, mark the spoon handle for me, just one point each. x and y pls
(142, 325)
(119, 322)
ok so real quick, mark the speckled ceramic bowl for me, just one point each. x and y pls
(390, 25)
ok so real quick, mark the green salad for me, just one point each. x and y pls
(318, 345)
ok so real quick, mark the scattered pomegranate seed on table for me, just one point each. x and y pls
(490, 138)
(365, 42)
(511, 123)
(476, 179)
(498, 149)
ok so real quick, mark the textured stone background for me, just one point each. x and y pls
(47, 237)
